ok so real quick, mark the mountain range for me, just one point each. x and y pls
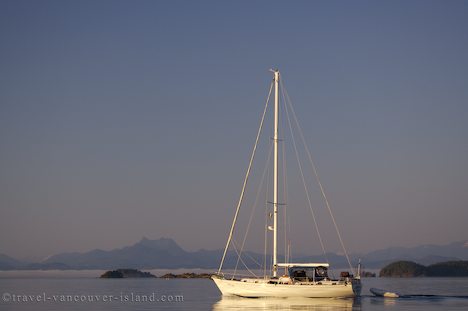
(165, 253)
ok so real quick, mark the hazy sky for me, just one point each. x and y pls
(123, 119)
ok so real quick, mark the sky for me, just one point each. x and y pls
(124, 119)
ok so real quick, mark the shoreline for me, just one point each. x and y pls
(87, 273)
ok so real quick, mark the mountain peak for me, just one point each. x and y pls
(161, 243)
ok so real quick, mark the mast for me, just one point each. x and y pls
(275, 178)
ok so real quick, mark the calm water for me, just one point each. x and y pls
(84, 292)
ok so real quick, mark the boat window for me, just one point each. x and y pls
(308, 274)
(303, 274)
(321, 273)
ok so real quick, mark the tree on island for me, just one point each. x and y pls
(448, 269)
(126, 273)
(412, 269)
(403, 269)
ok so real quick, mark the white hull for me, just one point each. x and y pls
(265, 289)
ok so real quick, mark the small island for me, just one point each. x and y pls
(367, 274)
(133, 273)
(403, 269)
(126, 273)
(186, 276)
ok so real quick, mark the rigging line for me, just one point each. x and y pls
(253, 260)
(254, 208)
(289, 240)
(266, 223)
(287, 219)
(304, 183)
(286, 211)
(285, 199)
(246, 178)
(314, 168)
(286, 222)
(242, 261)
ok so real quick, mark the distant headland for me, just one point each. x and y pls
(404, 269)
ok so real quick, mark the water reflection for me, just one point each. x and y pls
(237, 303)
(387, 302)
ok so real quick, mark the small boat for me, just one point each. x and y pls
(300, 280)
(384, 293)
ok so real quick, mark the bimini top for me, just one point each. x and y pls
(309, 264)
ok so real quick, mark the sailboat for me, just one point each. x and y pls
(300, 280)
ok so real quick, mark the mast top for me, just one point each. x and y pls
(276, 73)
